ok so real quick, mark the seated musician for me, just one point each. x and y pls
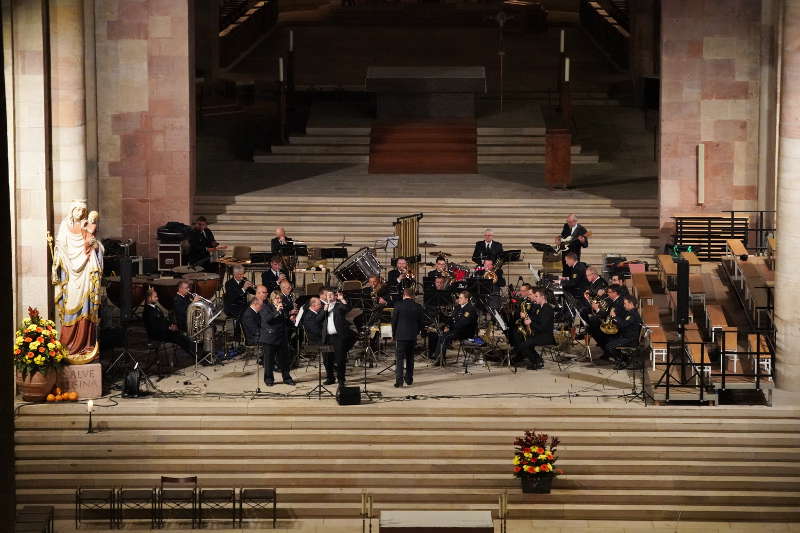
(236, 290)
(498, 281)
(574, 281)
(615, 303)
(629, 326)
(523, 306)
(180, 304)
(274, 275)
(313, 321)
(462, 325)
(251, 321)
(579, 240)
(399, 278)
(619, 279)
(280, 243)
(539, 330)
(488, 248)
(436, 301)
(159, 328)
(378, 292)
(596, 289)
(440, 269)
(201, 240)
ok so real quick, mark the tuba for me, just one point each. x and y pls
(492, 274)
(199, 316)
(609, 327)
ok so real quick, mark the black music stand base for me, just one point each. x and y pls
(320, 388)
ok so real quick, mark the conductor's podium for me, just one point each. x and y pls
(436, 522)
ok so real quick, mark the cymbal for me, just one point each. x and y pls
(443, 254)
(427, 244)
(342, 244)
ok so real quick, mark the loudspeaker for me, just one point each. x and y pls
(683, 291)
(348, 395)
(125, 287)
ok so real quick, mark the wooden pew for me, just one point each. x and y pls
(758, 347)
(641, 288)
(667, 269)
(651, 317)
(697, 289)
(658, 344)
(695, 349)
(715, 320)
(730, 261)
(695, 266)
(755, 277)
(731, 347)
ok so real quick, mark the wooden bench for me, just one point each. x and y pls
(759, 350)
(658, 344)
(734, 249)
(695, 266)
(667, 269)
(715, 320)
(641, 288)
(695, 349)
(697, 289)
(755, 286)
(651, 317)
(672, 302)
(730, 349)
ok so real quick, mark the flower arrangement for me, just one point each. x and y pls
(36, 346)
(535, 456)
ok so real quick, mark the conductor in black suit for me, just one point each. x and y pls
(201, 238)
(251, 322)
(159, 328)
(488, 248)
(338, 334)
(579, 239)
(540, 322)
(462, 325)
(272, 277)
(275, 338)
(407, 322)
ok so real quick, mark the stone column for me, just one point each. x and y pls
(67, 100)
(787, 275)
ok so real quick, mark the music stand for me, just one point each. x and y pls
(512, 256)
(320, 388)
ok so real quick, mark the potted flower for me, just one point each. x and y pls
(38, 355)
(534, 460)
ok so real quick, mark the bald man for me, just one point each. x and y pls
(579, 239)
(280, 241)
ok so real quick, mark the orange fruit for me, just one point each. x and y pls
(58, 391)
(58, 397)
(73, 396)
(51, 398)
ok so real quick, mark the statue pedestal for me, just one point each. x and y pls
(86, 380)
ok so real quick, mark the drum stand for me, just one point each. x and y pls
(320, 388)
(126, 354)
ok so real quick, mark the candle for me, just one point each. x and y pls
(291, 40)
(561, 48)
(566, 70)
(90, 406)
(280, 69)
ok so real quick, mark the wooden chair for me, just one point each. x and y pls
(174, 495)
(759, 350)
(658, 345)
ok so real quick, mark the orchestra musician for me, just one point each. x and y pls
(574, 279)
(338, 334)
(201, 241)
(378, 292)
(440, 269)
(270, 278)
(251, 321)
(280, 242)
(488, 248)
(407, 323)
(615, 303)
(579, 239)
(400, 278)
(618, 279)
(313, 320)
(462, 325)
(496, 276)
(236, 290)
(274, 338)
(524, 307)
(629, 327)
(287, 295)
(596, 289)
(436, 300)
(180, 305)
(159, 328)
(540, 325)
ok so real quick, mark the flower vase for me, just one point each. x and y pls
(35, 387)
(536, 484)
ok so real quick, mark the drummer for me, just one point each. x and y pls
(201, 240)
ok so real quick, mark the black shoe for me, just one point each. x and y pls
(288, 381)
(269, 383)
(329, 381)
(409, 382)
(398, 384)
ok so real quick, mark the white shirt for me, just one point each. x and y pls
(331, 325)
(488, 244)
(573, 229)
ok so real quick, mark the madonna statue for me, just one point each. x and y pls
(77, 269)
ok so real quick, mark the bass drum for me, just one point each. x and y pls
(166, 288)
(359, 266)
(138, 290)
(206, 284)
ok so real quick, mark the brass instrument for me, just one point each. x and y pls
(492, 274)
(609, 327)
(602, 303)
(524, 310)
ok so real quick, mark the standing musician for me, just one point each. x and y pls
(540, 325)
(629, 326)
(463, 325)
(236, 290)
(159, 328)
(574, 279)
(579, 239)
(289, 303)
(313, 321)
(337, 333)
(180, 304)
(251, 320)
(201, 240)
(274, 338)
(270, 278)
(280, 242)
(488, 248)
(407, 322)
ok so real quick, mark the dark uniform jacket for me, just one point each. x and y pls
(155, 323)
(180, 308)
(274, 325)
(480, 253)
(235, 298)
(575, 245)
(275, 244)
(199, 242)
(542, 325)
(577, 282)
(464, 323)
(630, 325)
(407, 320)
(251, 324)
(270, 279)
(314, 324)
(618, 306)
(597, 285)
(340, 322)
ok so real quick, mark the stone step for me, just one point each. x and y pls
(340, 131)
(309, 158)
(505, 140)
(422, 149)
(329, 139)
(498, 131)
(518, 149)
(309, 149)
(584, 158)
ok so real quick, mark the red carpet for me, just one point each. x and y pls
(444, 147)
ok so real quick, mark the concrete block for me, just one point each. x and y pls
(86, 380)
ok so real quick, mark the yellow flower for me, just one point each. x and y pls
(516, 459)
(528, 455)
(535, 469)
(542, 457)
(18, 340)
(59, 358)
(50, 345)
(34, 345)
(39, 360)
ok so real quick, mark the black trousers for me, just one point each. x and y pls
(337, 361)
(528, 347)
(444, 341)
(404, 359)
(275, 353)
(176, 337)
(618, 342)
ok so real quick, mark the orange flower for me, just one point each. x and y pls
(29, 355)
(52, 353)
(526, 450)
(517, 468)
(540, 451)
(39, 330)
(39, 339)
(28, 339)
(41, 349)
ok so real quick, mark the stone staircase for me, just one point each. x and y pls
(351, 145)
(626, 227)
(689, 464)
